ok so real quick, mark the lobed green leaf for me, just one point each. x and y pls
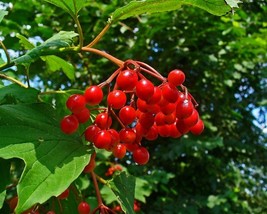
(70, 6)
(134, 8)
(2, 14)
(63, 39)
(123, 186)
(52, 159)
(55, 63)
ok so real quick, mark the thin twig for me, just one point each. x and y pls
(6, 52)
(11, 79)
(99, 36)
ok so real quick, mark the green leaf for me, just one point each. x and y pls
(233, 3)
(2, 14)
(17, 94)
(25, 42)
(5, 169)
(142, 190)
(70, 6)
(63, 39)
(55, 63)
(123, 186)
(52, 159)
(134, 8)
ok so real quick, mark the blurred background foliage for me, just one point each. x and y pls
(225, 62)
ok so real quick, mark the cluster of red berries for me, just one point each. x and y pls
(142, 109)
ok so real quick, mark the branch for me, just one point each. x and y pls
(11, 79)
(104, 54)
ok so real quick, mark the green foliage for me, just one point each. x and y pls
(123, 186)
(135, 8)
(62, 39)
(70, 6)
(2, 14)
(224, 59)
(52, 161)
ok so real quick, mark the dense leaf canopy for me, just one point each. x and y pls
(224, 58)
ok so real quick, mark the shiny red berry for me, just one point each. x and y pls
(93, 95)
(76, 103)
(69, 124)
(127, 115)
(102, 139)
(198, 128)
(103, 120)
(119, 151)
(127, 79)
(83, 116)
(144, 89)
(176, 77)
(116, 99)
(141, 155)
(83, 208)
(90, 132)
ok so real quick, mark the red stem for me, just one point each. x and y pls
(98, 196)
(104, 54)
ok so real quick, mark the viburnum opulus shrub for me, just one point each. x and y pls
(135, 104)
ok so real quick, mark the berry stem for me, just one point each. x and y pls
(110, 79)
(151, 69)
(99, 36)
(104, 54)
(99, 199)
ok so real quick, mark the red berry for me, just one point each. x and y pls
(156, 97)
(169, 108)
(174, 132)
(127, 115)
(93, 95)
(176, 77)
(164, 130)
(198, 128)
(127, 79)
(69, 124)
(119, 151)
(131, 147)
(64, 194)
(141, 105)
(169, 92)
(192, 119)
(115, 139)
(103, 120)
(144, 89)
(160, 119)
(184, 109)
(181, 127)
(13, 203)
(83, 208)
(102, 139)
(76, 103)
(152, 133)
(116, 99)
(127, 135)
(83, 116)
(141, 155)
(146, 120)
(50, 212)
(90, 132)
(90, 166)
